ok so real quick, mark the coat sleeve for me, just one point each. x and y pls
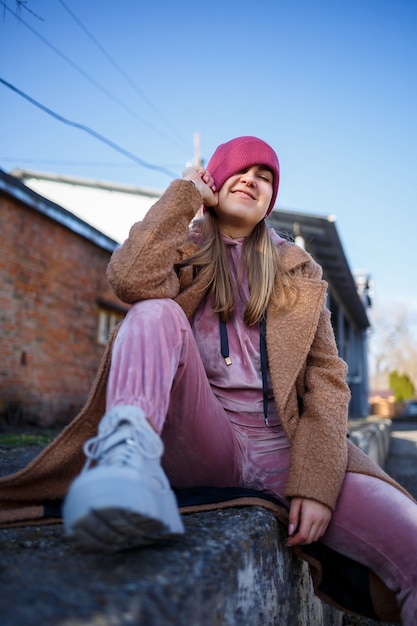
(143, 267)
(319, 447)
(319, 444)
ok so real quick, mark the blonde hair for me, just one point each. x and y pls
(268, 281)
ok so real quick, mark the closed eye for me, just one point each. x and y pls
(266, 177)
(265, 174)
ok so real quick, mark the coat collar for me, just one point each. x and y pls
(293, 256)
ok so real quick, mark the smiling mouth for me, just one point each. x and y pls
(244, 193)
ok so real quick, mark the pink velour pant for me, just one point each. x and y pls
(156, 365)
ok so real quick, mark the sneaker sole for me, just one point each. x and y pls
(100, 513)
(112, 530)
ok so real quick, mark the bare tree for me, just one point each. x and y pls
(393, 343)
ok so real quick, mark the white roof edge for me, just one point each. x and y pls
(22, 174)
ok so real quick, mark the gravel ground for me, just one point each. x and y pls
(14, 458)
(44, 581)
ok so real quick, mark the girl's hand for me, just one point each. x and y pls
(308, 520)
(204, 183)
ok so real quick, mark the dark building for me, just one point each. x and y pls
(348, 297)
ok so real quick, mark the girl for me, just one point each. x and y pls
(225, 373)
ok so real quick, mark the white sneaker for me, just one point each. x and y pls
(125, 499)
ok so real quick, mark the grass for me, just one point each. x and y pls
(24, 440)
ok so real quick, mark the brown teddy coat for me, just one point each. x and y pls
(307, 374)
(302, 354)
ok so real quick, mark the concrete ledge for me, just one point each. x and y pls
(231, 568)
(372, 436)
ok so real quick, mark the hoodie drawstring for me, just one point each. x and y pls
(224, 348)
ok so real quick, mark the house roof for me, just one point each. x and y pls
(23, 174)
(14, 188)
(321, 240)
(110, 207)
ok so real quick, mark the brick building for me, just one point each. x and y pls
(56, 306)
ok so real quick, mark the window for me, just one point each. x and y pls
(107, 320)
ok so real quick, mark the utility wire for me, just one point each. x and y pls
(89, 77)
(121, 71)
(22, 5)
(88, 130)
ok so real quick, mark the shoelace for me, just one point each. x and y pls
(125, 448)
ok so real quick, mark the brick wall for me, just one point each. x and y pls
(50, 282)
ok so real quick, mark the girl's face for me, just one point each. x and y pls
(244, 200)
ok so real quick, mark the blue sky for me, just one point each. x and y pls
(331, 85)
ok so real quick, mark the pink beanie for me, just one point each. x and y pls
(238, 154)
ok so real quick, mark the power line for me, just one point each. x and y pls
(120, 70)
(22, 5)
(90, 78)
(88, 130)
